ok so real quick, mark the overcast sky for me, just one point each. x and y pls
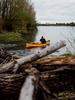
(54, 10)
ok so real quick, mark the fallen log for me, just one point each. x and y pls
(52, 74)
(27, 90)
(32, 57)
(50, 83)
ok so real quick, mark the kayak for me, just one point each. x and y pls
(36, 45)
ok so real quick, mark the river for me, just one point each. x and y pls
(55, 34)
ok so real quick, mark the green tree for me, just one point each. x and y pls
(18, 15)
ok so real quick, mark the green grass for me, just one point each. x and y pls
(12, 38)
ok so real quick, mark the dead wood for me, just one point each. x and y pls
(10, 85)
(33, 57)
(50, 79)
(46, 90)
(5, 57)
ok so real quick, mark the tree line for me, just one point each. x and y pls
(17, 15)
(56, 24)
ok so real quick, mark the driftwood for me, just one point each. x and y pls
(58, 80)
(49, 79)
(5, 57)
(10, 85)
(15, 64)
(49, 82)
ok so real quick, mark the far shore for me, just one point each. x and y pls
(56, 24)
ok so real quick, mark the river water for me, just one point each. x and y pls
(55, 34)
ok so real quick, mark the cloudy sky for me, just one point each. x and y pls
(54, 10)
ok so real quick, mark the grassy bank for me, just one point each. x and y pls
(12, 38)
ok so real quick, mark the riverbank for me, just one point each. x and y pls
(15, 39)
(12, 37)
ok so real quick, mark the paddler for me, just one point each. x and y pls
(43, 40)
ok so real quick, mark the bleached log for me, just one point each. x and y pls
(35, 56)
(6, 67)
(39, 54)
(27, 89)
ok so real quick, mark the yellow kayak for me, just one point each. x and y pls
(36, 45)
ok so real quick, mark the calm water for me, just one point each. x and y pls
(57, 33)
(54, 34)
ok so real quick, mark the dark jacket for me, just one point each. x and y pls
(43, 40)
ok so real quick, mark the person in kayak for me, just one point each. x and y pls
(43, 40)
